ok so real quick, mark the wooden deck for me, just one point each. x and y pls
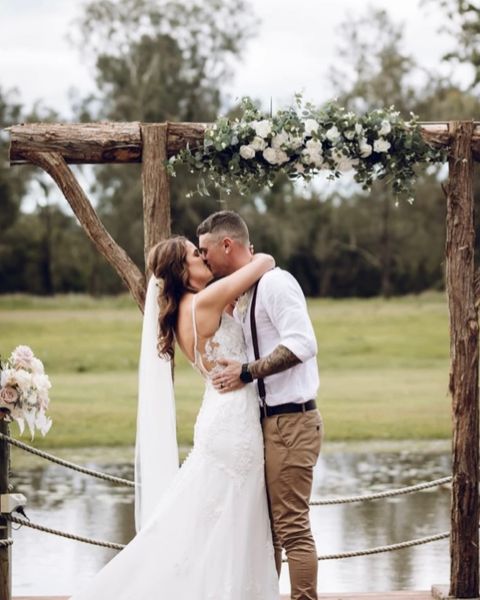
(409, 595)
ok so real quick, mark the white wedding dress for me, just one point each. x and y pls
(209, 537)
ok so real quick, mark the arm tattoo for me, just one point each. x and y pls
(279, 360)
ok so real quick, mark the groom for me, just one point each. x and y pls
(278, 330)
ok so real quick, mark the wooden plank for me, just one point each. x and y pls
(459, 254)
(93, 143)
(106, 142)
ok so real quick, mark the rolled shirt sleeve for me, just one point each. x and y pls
(286, 307)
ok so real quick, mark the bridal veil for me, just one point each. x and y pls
(156, 449)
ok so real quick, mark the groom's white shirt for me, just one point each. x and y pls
(282, 318)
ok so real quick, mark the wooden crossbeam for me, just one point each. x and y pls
(92, 143)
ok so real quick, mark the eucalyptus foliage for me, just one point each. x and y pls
(248, 153)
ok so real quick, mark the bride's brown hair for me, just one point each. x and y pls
(167, 261)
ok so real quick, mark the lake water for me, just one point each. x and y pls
(63, 499)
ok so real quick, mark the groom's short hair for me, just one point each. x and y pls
(225, 222)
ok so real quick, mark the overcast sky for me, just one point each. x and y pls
(36, 57)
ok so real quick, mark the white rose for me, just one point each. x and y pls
(41, 382)
(333, 134)
(37, 366)
(381, 145)
(7, 378)
(22, 357)
(258, 144)
(247, 152)
(350, 134)
(279, 139)
(314, 146)
(282, 157)
(299, 168)
(386, 128)
(274, 156)
(358, 128)
(262, 128)
(313, 158)
(365, 149)
(270, 155)
(311, 126)
(23, 379)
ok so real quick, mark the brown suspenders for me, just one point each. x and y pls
(253, 326)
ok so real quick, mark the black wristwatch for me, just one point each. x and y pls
(245, 375)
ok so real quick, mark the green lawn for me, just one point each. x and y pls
(383, 367)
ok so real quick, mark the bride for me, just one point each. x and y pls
(203, 531)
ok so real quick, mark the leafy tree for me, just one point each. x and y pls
(464, 26)
(12, 184)
(156, 62)
(377, 72)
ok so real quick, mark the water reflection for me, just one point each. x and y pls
(44, 564)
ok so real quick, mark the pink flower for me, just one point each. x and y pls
(22, 357)
(8, 395)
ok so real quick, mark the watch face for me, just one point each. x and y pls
(246, 376)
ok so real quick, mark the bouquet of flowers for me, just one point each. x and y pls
(24, 391)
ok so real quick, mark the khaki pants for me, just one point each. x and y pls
(292, 446)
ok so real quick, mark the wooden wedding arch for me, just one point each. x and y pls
(53, 146)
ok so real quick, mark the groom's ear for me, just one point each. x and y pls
(227, 245)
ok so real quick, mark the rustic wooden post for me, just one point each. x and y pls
(464, 554)
(5, 530)
(156, 185)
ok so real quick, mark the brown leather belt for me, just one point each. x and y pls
(289, 407)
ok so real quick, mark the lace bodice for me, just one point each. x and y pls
(227, 342)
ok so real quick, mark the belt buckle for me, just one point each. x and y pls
(304, 404)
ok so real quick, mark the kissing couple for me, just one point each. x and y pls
(215, 528)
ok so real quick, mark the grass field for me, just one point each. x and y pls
(383, 367)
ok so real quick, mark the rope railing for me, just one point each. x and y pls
(322, 502)
(66, 463)
(380, 549)
(352, 554)
(386, 494)
(126, 482)
(65, 534)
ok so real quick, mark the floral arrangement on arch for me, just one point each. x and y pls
(24, 388)
(300, 141)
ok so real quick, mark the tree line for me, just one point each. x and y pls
(156, 63)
